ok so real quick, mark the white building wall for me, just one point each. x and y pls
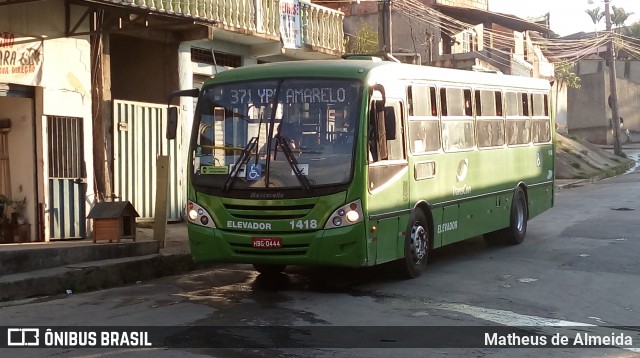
(634, 73)
(559, 103)
(66, 76)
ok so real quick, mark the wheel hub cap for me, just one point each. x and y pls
(418, 243)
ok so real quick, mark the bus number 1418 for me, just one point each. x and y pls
(303, 224)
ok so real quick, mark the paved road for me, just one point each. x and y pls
(578, 266)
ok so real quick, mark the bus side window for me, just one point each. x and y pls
(525, 104)
(468, 110)
(385, 134)
(434, 106)
(499, 104)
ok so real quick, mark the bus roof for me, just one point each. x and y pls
(375, 71)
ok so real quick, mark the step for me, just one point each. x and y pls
(21, 258)
(87, 276)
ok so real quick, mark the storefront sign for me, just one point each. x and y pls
(290, 24)
(20, 59)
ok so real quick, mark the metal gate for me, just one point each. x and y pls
(139, 137)
(67, 178)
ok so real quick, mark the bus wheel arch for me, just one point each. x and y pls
(425, 208)
(518, 217)
(418, 242)
(525, 190)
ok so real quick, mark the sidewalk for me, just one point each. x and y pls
(67, 267)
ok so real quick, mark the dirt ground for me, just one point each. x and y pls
(579, 159)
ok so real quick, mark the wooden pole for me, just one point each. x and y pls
(160, 215)
(102, 119)
(384, 26)
(611, 54)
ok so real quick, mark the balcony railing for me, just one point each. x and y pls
(321, 26)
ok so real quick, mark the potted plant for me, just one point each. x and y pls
(18, 207)
(3, 203)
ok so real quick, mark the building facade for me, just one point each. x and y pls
(588, 112)
(456, 34)
(45, 94)
(83, 88)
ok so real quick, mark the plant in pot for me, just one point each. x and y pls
(18, 207)
(3, 204)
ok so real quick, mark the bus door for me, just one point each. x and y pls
(388, 185)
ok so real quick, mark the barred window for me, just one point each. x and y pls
(202, 55)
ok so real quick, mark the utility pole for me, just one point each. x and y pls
(611, 54)
(384, 26)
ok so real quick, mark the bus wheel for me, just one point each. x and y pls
(516, 231)
(416, 247)
(269, 269)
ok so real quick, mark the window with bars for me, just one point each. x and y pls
(5, 179)
(66, 150)
(202, 55)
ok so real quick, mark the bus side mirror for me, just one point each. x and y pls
(172, 112)
(381, 130)
(172, 122)
(390, 122)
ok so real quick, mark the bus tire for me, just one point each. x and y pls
(514, 234)
(416, 246)
(269, 269)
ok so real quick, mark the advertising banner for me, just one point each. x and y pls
(20, 59)
(290, 24)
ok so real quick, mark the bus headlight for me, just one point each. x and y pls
(197, 215)
(346, 215)
(353, 216)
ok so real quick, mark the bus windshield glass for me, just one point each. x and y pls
(280, 133)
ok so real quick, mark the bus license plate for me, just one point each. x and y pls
(267, 242)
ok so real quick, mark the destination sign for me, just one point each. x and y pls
(290, 95)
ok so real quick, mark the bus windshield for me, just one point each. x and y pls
(280, 133)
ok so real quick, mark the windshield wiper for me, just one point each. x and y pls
(293, 163)
(281, 142)
(272, 121)
(244, 158)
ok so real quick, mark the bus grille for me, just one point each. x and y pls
(286, 250)
(268, 212)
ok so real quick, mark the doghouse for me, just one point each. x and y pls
(113, 221)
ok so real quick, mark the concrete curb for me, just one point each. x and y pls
(570, 185)
(17, 261)
(609, 173)
(93, 275)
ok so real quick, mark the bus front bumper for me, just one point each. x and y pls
(345, 246)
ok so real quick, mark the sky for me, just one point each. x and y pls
(567, 16)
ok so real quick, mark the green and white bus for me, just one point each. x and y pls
(360, 162)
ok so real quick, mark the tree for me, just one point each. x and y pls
(596, 16)
(365, 40)
(630, 44)
(565, 77)
(619, 16)
(634, 30)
